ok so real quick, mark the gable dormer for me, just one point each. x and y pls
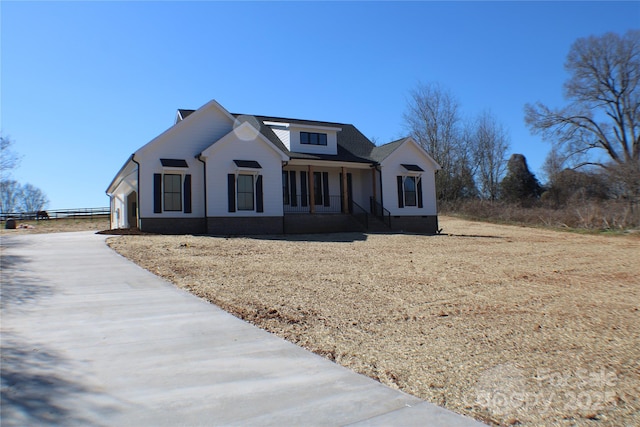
(306, 137)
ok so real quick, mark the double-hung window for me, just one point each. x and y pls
(172, 192)
(172, 187)
(245, 192)
(244, 187)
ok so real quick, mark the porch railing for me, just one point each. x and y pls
(360, 214)
(325, 204)
(58, 213)
(380, 212)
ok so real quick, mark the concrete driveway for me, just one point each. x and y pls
(89, 338)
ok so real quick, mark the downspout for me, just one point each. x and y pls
(204, 174)
(284, 222)
(133, 159)
(379, 169)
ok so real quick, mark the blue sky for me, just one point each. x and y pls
(85, 84)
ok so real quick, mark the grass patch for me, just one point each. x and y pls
(58, 225)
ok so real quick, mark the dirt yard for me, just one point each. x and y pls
(509, 325)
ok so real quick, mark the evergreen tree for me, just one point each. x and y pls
(519, 185)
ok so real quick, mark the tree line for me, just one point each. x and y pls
(14, 196)
(595, 139)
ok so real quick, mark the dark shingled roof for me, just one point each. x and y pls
(353, 146)
(174, 163)
(263, 129)
(185, 113)
(247, 164)
(382, 152)
(412, 168)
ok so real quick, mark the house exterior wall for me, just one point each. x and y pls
(118, 203)
(362, 187)
(174, 225)
(295, 146)
(118, 211)
(427, 224)
(184, 140)
(151, 165)
(283, 134)
(221, 163)
(391, 167)
(320, 223)
(242, 226)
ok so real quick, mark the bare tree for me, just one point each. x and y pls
(603, 115)
(33, 199)
(8, 159)
(433, 120)
(553, 164)
(10, 196)
(490, 142)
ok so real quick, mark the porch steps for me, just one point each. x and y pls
(375, 225)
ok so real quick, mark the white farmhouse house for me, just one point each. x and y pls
(214, 172)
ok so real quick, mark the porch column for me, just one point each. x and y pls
(345, 195)
(373, 182)
(312, 195)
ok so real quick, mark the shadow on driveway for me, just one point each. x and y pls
(38, 386)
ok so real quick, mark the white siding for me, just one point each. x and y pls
(362, 187)
(220, 164)
(283, 134)
(119, 209)
(408, 153)
(330, 148)
(151, 166)
(184, 140)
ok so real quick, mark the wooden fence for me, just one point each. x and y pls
(90, 213)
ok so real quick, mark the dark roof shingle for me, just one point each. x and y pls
(353, 146)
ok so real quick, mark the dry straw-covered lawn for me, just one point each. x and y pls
(58, 225)
(510, 325)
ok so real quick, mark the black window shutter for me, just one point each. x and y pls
(187, 193)
(325, 188)
(259, 197)
(157, 193)
(294, 192)
(350, 191)
(231, 190)
(341, 195)
(400, 193)
(286, 192)
(303, 188)
(419, 190)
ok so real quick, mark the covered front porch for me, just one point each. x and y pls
(319, 187)
(325, 197)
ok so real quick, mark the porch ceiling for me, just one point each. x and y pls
(329, 164)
